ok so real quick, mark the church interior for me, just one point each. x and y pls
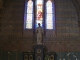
(17, 43)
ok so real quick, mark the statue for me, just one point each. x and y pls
(39, 33)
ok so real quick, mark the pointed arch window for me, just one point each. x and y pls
(39, 11)
(49, 15)
(29, 14)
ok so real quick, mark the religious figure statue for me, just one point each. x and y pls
(39, 33)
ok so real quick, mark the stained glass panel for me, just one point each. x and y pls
(29, 14)
(49, 6)
(39, 15)
(29, 21)
(49, 15)
(39, 12)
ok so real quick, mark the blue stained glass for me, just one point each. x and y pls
(49, 14)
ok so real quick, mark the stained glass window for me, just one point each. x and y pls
(39, 11)
(29, 14)
(49, 15)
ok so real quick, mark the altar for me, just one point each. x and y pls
(39, 53)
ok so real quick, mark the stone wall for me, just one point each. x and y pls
(65, 37)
